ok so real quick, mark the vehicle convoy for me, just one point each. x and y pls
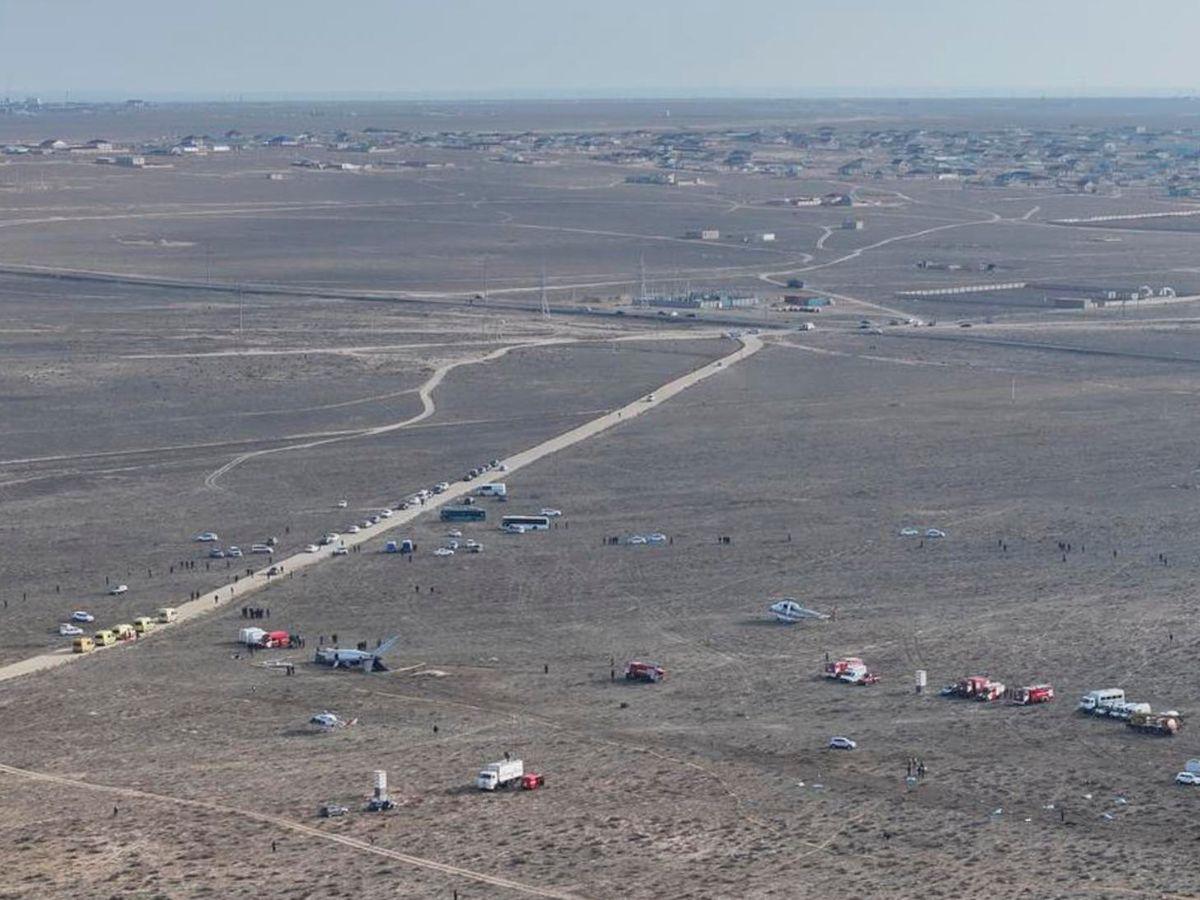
(1165, 724)
(501, 774)
(644, 671)
(1033, 693)
(83, 645)
(104, 638)
(143, 624)
(166, 614)
(975, 687)
(124, 632)
(1098, 703)
(851, 670)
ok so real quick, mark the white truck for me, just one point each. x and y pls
(1098, 703)
(496, 489)
(251, 637)
(505, 773)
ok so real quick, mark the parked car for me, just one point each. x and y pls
(443, 551)
(216, 553)
(66, 629)
(910, 532)
(1188, 778)
(551, 513)
(386, 513)
(332, 811)
(235, 552)
(311, 548)
(441, 487)
(207, 537)
(934, 533)
(340, 550)
(117, 589)
(842, 743)
(352, 529)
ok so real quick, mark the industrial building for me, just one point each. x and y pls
(700, 300)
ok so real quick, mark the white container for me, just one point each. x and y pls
(922, 680)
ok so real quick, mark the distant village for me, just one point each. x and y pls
(1078, 159)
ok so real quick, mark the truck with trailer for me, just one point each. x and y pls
(501, 774)
(1164, 724)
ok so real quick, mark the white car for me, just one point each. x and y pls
(649, 398)
(340, 550)
(80, 616)
(311, 548)
(657, 538)
(66, 629)
(235, 552)
(452, 544)
(342, 504)
(261, 548)
(352, 529)
(386, 513)
(910, 532)
(365, 523)
(1188, 778)
(454, 534)
(441, 487)
(637, 539)
(842, 743)
(474, 546)
(207, 537)
(443, 551)
(550, 513)
(934, 533)
(330, 538)
(118, 589)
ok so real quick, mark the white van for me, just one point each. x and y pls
(492, 490)
(1099, 702)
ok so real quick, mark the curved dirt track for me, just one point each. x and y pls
(290, 825)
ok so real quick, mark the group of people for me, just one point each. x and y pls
(256, 612)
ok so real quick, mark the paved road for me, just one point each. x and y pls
(250, 584)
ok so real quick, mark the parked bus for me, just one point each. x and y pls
(525, 523)
(463, 514)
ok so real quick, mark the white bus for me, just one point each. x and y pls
(525, 523)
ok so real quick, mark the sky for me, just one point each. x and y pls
(223, 49)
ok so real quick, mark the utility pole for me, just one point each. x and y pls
(545, 302)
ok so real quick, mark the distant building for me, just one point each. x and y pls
(704, 234)
(132, 162)
(853, 225)
(700, 300)
(813, 303)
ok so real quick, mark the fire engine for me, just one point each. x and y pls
(1033, 693)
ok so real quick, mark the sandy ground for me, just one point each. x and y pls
(132, 417)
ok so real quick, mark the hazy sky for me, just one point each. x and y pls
(492, 48)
